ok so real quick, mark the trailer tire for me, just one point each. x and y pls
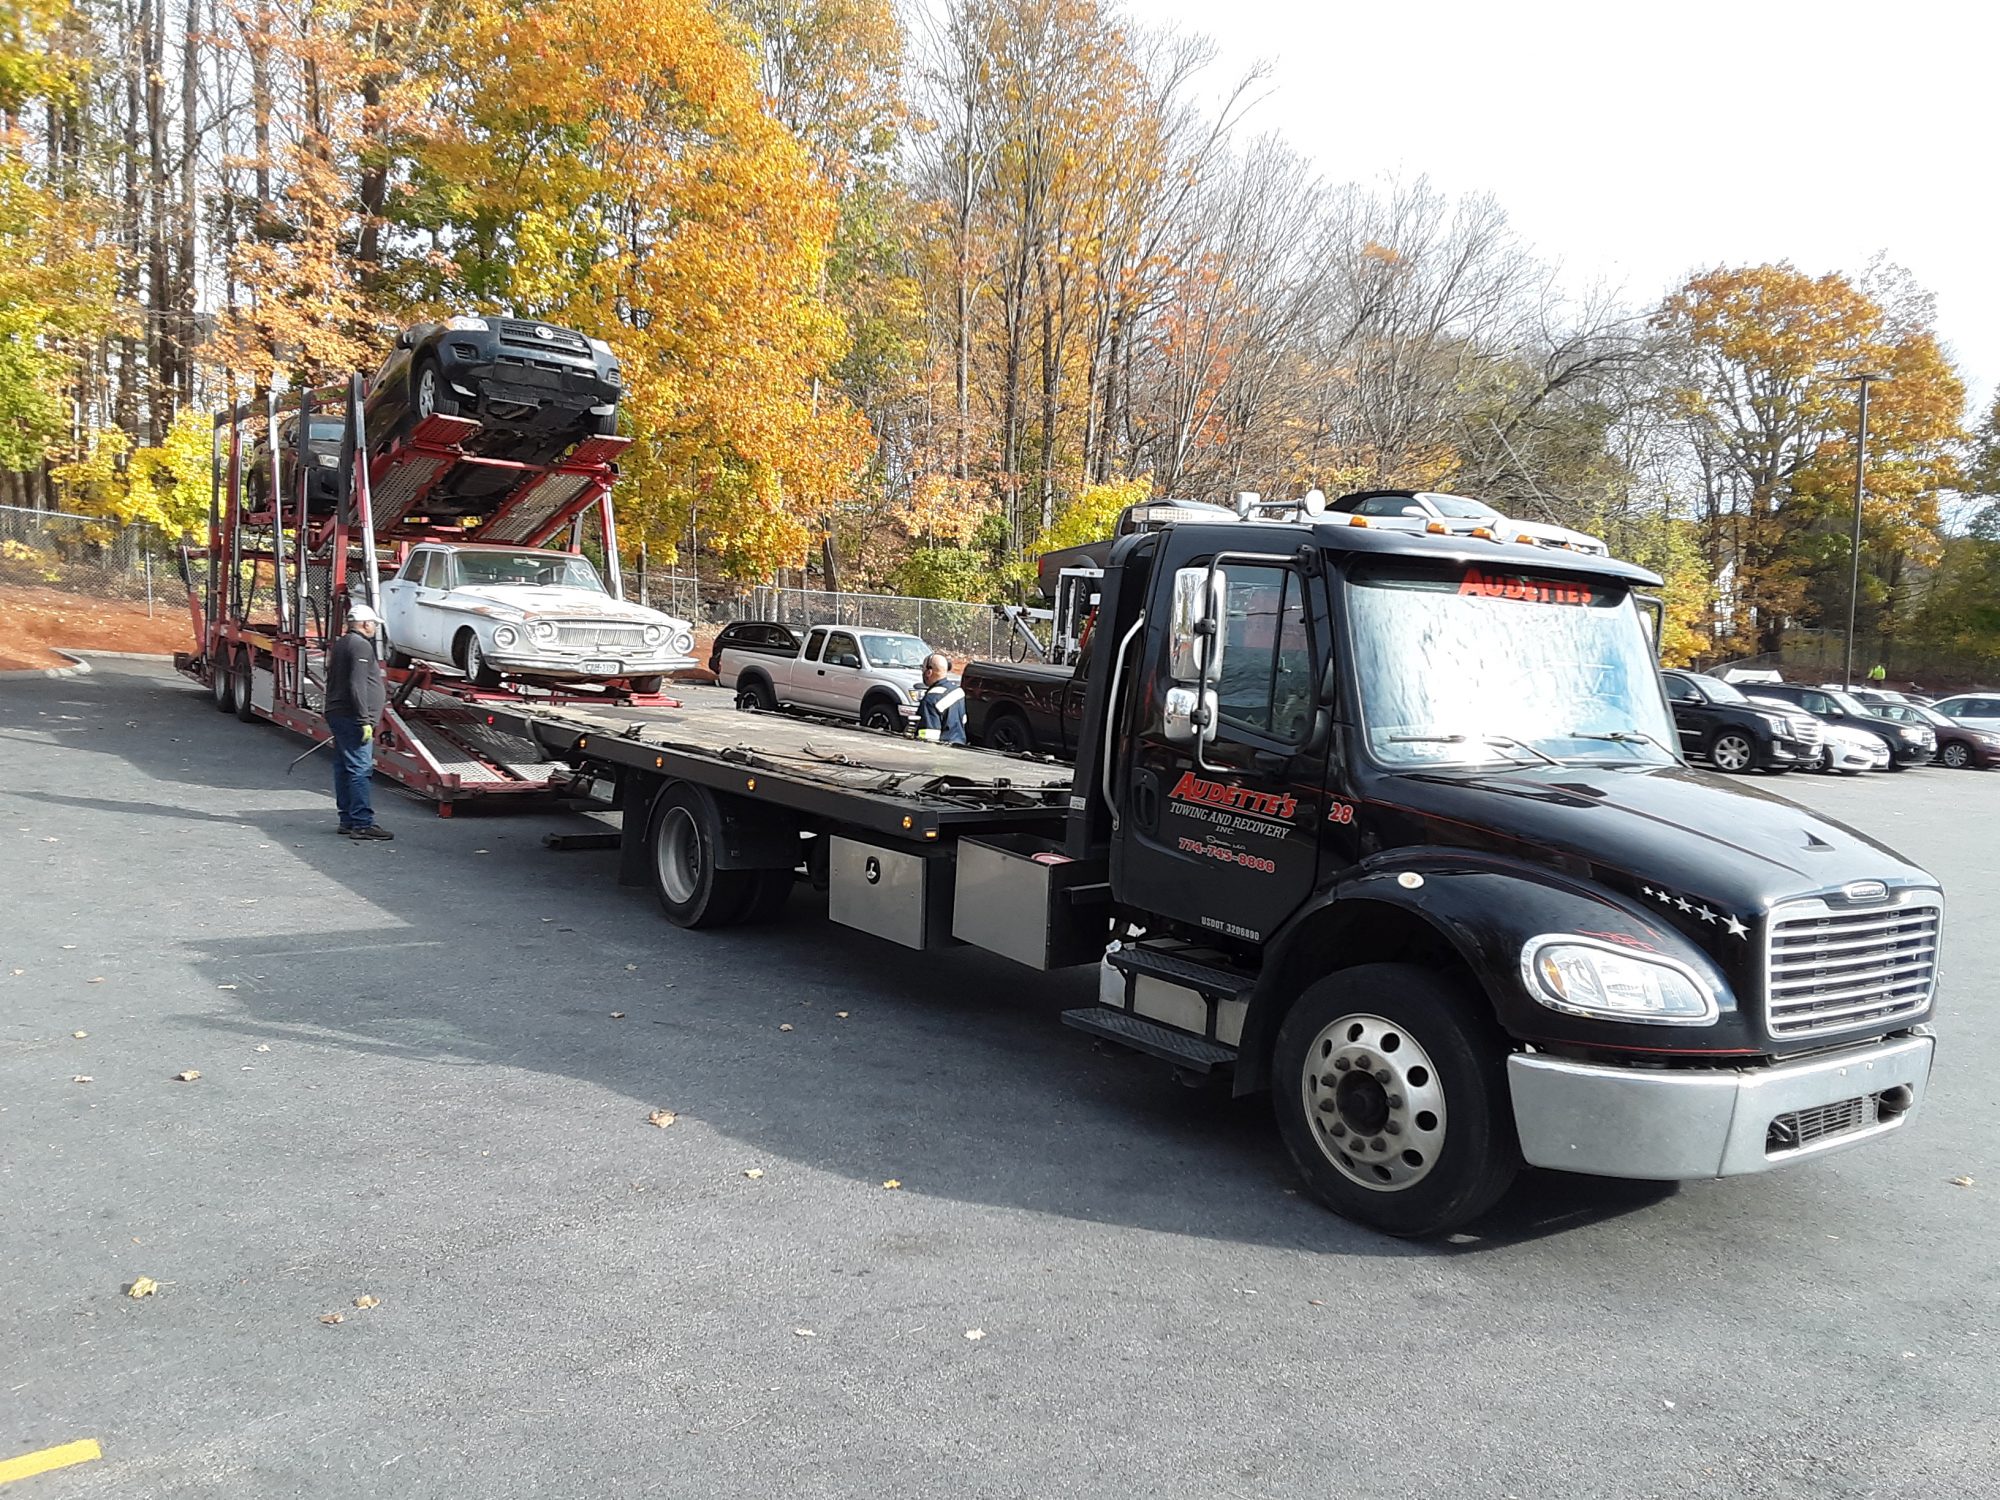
(244, 687)
(1008, 731)
(222, 683)
(1404, 1063)
(681, 841)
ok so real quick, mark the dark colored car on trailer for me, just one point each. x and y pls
(765, 637)
(1909, 744)
(535, 387)
(326, 466)
(1716, 722)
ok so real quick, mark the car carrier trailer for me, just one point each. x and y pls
(269, 592)
(1391, 825)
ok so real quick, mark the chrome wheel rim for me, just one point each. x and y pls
(475, 659)
(1955, 756)
(678, 854)
(1732, 753)
(427, 394)
(1373, 1103)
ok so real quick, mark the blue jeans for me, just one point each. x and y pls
(353, 766)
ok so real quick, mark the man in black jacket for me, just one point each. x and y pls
(355, 697)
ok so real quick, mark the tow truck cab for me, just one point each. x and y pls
(1397, 827)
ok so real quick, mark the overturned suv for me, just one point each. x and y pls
(537, 388)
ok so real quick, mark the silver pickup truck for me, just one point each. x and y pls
(872, 676)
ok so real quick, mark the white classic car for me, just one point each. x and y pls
(1417, 510)
(496, 612)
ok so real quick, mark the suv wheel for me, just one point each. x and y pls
(1731, 750)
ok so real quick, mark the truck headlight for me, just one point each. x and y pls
(654, 634)
(465, 325)
(916, 691)
(1584, 978)
(543, 630)
(505, 635)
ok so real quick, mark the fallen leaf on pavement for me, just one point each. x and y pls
(144, 1286)
(79, 1035)
(331, 1318)
(83, 1078)
(263, 1047)
(366, 1302)
(785, 1026)
(20, 971)
(662, 1118)
(892, 1183)
(1961, 1182)
(753, 1173)
(98, 980)
(1315, 1302)
(630, 968)
(618, 1015)
(225, 986)
(975, 1334)
(69, 947)
(842, 1014)
(805, 1333)
(187, 1077)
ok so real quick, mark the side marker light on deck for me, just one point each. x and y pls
(1357, 520)
(659, 761)
(1525, 540)
(909, 822)
(1437, 528)
(750, 785)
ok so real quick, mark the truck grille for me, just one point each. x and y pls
(1804, 1127)
(601, 635)
(1806, 730)
(1832, 969)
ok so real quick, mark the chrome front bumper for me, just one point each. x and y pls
(1679, 1124)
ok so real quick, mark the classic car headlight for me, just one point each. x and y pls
(1585, 978)
(505, 635)
(654, 634)
(543, 630)
(684, 645)
(462, 324)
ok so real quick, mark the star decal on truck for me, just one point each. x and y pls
(1734, 926)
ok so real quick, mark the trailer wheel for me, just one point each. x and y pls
(646, 685)
(222, 682)
(683, 835)
(1391, 1097)
(245, 685)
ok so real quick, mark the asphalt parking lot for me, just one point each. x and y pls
(1090, 1281)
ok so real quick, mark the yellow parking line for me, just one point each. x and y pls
(61, 1457)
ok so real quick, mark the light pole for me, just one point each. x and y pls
(1860, 482)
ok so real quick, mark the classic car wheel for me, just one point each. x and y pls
(398, 659)
(646, 684)
(473, 661)
(1956, 755)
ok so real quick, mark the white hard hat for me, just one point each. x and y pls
(361, 614)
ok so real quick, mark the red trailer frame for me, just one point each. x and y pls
(261, 650)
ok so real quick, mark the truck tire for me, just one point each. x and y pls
(1010, 732)
(754, 695)
(1733, 751)
(222, 683)
(882, 714)
(1391, 1095)
(770, 894)
(681, 840)
(244, 687)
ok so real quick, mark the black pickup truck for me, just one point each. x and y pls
(1025, 707)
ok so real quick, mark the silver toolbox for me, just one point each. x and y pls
(1021, 897)
(900, 894)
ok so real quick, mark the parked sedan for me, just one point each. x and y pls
(537, 388)
(1909, 744)
(1416, 510)
(1974, 710)
(1959, 745)
(1843, 749)
(495, 612)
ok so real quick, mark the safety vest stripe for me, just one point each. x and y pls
(950, 699)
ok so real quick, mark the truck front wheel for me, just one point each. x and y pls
(1391, 1096)
(682, 839)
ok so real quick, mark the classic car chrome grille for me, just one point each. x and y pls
(1834, 968)
(626, 636)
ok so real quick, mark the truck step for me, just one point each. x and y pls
(1196, 1054)
(1188, 973)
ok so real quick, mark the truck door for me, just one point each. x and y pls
(1225, 835)
(835, 683)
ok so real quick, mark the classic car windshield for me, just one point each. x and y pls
(543, 569)
(1461, 510)
(1461, 665)
(895, 651)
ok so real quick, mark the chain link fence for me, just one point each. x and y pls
(91, 557)
(953, 626)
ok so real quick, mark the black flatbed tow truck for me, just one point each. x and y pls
(1392, 826)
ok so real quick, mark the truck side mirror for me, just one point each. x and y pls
(1652, 614)
(1196, 627)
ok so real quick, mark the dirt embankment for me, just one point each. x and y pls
(34, 619)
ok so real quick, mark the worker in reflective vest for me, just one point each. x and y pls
(941, 710)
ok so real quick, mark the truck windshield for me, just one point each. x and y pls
(895, 651)
(1472, 666)
(543, 569)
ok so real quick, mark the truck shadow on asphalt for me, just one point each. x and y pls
(807, 1041)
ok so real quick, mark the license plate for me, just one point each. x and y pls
(604, 668)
